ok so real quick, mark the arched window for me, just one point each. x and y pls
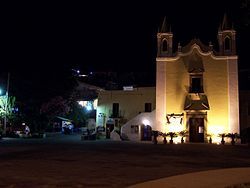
(227, 43)
(165, 45)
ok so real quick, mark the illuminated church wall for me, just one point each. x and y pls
(216, 88)
(213, 108)
(176, 82)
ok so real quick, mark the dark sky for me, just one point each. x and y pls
(97, 34)
(42, 39)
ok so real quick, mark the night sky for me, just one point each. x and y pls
(41, 41)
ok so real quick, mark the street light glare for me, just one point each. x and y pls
(88, 108)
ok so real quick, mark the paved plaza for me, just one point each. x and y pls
(66, 161)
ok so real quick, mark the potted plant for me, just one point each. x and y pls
(210, 138)
(171, 135)
(164, 135)
(233, 136)
(183, 134)
(222, 135)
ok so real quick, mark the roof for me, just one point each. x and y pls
(84, 86)
(64, 119)
(189, 46)
(195, 64)
(164, 27)
(196, 102)
(225, 24)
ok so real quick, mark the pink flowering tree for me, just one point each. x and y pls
(57, 106)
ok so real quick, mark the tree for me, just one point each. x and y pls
(78, 114)
(57, 106)
(7, 106)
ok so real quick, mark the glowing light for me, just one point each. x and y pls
(82, 75)
(214, 131)
(175, 124)
(128, 88)
(83, 103)
(88, 107)
(76, 71)
(146, 122)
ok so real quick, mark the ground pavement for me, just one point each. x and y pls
(222, 178)
(66, 161)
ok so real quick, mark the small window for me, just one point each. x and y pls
(196, 85)
(227, 43)
(134, 129)
(148, 107)
(165, 46)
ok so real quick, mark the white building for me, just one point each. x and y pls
(116, 107)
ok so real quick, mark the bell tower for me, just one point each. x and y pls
(226, 38)
(164, 41)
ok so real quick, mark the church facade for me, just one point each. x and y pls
(197, 86)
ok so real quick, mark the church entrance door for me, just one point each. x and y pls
(196, 130)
